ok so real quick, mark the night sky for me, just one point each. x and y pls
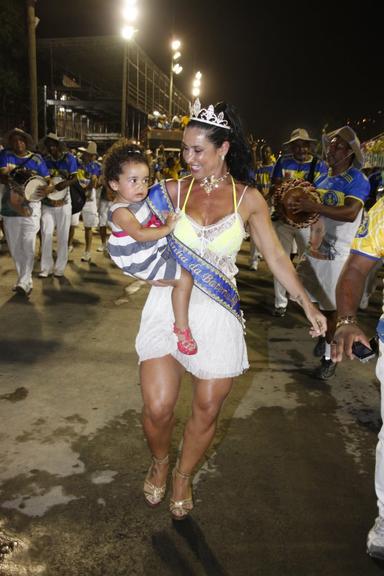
(282, 64)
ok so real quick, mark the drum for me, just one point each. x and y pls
(32, 187)
(57, 194)
(292, 190)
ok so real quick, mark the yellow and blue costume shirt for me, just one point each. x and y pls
(369, 242)
(31, 162)
(65, 166)
(263, 177)
(331, 239)
(86, 171)
(369, 239)
(287, 167)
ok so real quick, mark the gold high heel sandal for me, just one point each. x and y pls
(154, 494)
(180, 509)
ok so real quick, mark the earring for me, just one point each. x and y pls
(223, 157)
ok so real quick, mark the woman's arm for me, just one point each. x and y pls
(123, 218)
(264, 236)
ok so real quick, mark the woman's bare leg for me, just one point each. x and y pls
(208, 398)
(160, 385)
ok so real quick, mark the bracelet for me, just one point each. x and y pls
(345, 320)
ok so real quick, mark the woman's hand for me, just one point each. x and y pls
(316, 318)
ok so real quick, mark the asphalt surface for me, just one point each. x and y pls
(286, 488)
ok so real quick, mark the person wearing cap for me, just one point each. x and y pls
(21, 219)
(343, 193)
(263, 173)
(298, 163)
(56, 212)
(367, 251)
(89, 177)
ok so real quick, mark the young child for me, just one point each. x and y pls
(138, 243)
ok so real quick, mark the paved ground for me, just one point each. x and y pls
(287, 488)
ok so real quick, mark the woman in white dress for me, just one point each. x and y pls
(215, 203)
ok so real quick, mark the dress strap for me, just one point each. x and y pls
(242, 196)
(178, 196)
(187, 196)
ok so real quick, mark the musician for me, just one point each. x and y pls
(56, 212)
(343, 193)
(89, 177)
(21, 219)
(297, 163)
(263, 175)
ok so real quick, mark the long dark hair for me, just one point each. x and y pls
(239, 156)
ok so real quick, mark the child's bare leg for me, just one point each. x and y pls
(181, 295)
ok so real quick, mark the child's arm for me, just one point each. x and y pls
(123, 218)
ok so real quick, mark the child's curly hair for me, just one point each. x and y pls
(120, 153)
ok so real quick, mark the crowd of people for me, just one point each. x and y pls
(183, 237)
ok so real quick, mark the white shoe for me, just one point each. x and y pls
(254, 265)
(86, 257)
(43, 274)
(70, 249)
(135, 286)
(102, 248)
(375, 539)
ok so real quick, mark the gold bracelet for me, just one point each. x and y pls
(345, 320)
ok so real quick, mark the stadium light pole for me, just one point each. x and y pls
(175, 69)
(32, 22)
(196, 84)
(129, 13)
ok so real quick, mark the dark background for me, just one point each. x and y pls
(282, 64)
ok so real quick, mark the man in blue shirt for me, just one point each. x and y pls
(343, 193)
(21, 218)
(56, 207)
(89, 177)
(297, 164)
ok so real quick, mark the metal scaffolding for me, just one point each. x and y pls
(88, 71)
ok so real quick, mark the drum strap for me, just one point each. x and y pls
(311, 174)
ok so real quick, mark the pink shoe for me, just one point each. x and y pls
(186, 343)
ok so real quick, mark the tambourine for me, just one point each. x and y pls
(32, 188)
(57, 194)
(24, 184)
(292, 190)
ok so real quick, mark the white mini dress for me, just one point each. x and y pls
(219, 335)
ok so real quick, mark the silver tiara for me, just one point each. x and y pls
(207, 115)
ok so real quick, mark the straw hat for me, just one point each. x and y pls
(299, 134)
(18, 132)
(52, 136)
(350, 137)
(91, 149)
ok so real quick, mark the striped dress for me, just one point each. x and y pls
(150, 260)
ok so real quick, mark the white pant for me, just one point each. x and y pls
(59, 218)
(104, 206)
(253, 253)
(21, 234)
(379, 472)
(287, 234)
(89, 213)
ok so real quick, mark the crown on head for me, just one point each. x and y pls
(207, 115)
